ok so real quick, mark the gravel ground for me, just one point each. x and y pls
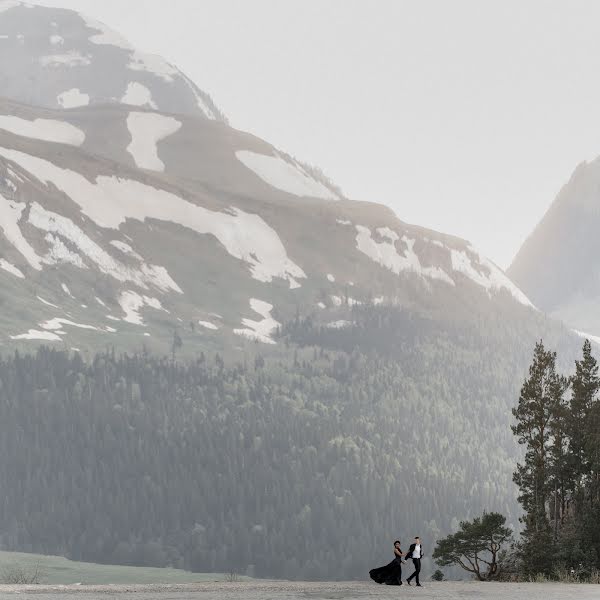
(276, 590)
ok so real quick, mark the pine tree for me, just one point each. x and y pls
(584, 424)
(585, 386)
(561, 474)
(537, 417)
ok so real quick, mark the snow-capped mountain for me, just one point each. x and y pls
(61, 59)
(122, 220)
(558, 265)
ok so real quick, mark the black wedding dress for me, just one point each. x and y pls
(391, 574)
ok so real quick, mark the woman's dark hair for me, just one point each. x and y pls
(396, 542)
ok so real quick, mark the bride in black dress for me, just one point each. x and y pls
(391, 574)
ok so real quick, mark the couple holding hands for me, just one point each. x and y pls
(391, 574)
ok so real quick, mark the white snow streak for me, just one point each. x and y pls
(280, 174)
(10, 268)
(34, 334)
(46, 302)
(57, 323)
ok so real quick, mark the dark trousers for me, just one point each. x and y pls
(417, 563)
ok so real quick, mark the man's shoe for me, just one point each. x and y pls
(419, 585)
(408, 581)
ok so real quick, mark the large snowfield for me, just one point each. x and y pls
(275, 590)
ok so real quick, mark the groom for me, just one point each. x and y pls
(416, 553)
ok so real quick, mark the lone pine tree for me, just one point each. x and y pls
(476, 546)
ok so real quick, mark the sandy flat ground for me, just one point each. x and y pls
(275, 590)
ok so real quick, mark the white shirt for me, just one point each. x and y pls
(417, 551)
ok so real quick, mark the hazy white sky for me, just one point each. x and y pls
(466, 116)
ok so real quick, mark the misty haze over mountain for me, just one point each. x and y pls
(210, 347)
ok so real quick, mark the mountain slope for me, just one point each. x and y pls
(558, 266)
(99, 205)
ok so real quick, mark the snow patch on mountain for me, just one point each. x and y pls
(131, 303)
(488, 276)
(57, 325)
(259, 330)
(53, 223)
(138, 95)
(37, 335)
(53, 329)
(208, 325)
(147, 129)
(386, 254)
(280, 174)
(152, 63)
(47, 130)
(10, 215)
(10, 268)
(109, 201)
(73, 98)
(587, 336)
(125, 248)
(68, 59)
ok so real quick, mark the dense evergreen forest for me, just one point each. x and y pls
(303, 464)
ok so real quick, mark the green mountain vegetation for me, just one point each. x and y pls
(303, 464)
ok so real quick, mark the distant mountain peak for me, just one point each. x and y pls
(557, 265)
